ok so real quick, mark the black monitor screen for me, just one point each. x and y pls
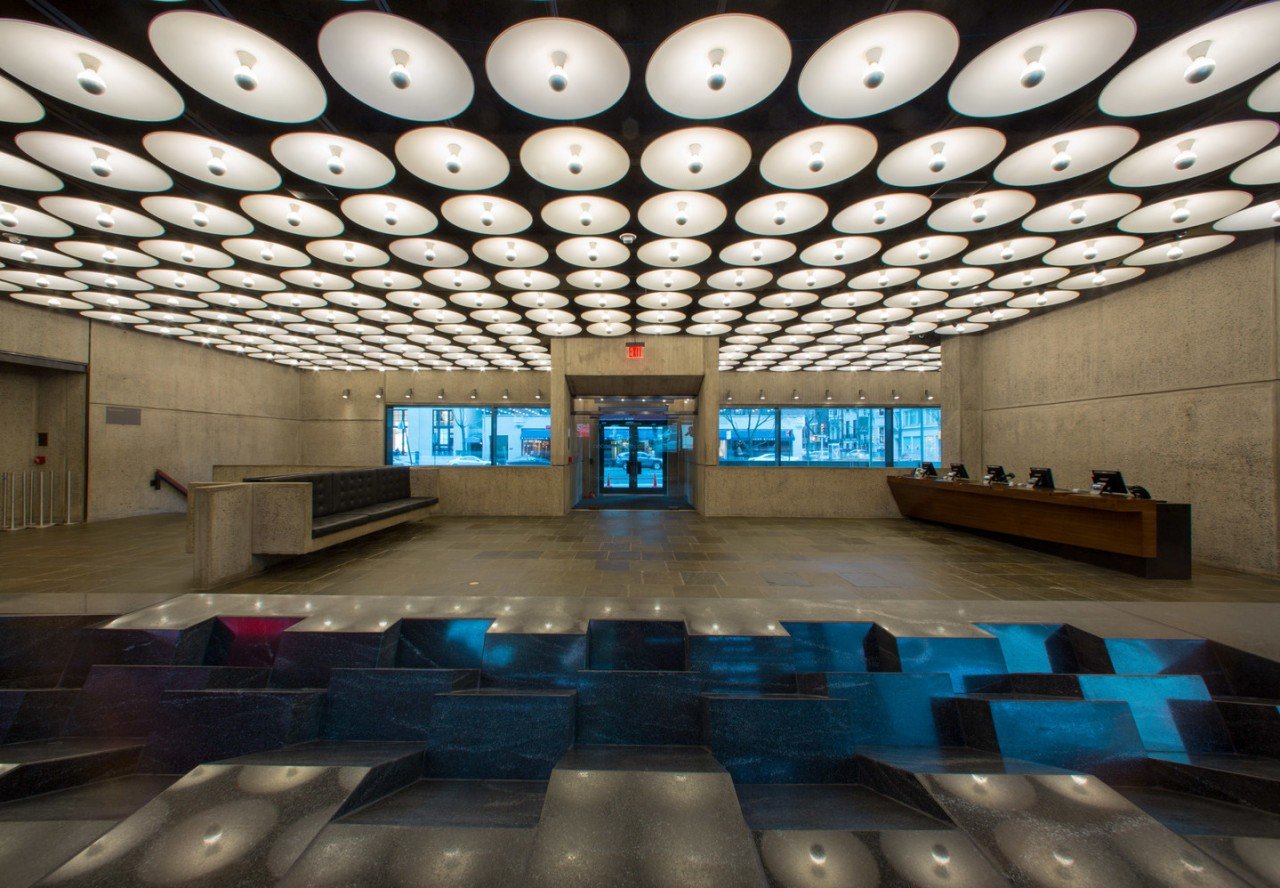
(928, 468)
(1109, 481)
(959, 470)
(1041, 478)
(996, 473)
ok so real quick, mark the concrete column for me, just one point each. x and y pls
(961, 384)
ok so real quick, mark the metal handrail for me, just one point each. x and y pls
(163, 476)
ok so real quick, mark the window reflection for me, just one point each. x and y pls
(469, 436)
(830, 436)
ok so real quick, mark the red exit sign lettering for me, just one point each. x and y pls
(635, 349)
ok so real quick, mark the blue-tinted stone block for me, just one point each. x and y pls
(122, 701)
(1161, 656)
(206, 726)
(35, 650)
(1098, 737)
(893, 708)
(1034, 647)
(829, 647)
(497, 734)
(388, 704)
(634, 645)
(762, 663)
(533, 660)
(1173, 713)
(642, 708)
(780, 739)
(304, 659)
(957, 656)
(137, 647)
(442, 644)
(35, 714)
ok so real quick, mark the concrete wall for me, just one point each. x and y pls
(1173, 381)
(797, 492)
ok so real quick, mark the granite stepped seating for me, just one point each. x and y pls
(34, 713)
(264, 808)
(36, 650)
(1242, 779)
(544, 659)
(499, 733)
(40, 766)
(388, 704)
(1254, 724)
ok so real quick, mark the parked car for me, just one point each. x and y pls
(468, 461)
(647, 460)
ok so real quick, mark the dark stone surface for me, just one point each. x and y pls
(1034, 647)
(34, 650)
(442, 644)
(122, 701)
(1254, 725)
(957, 656)
(893, 708)
(829, 647)
(387, 704)
(28, 769)
(737, 663)
(137, 647)
(496, 734)
(624, 817)
(205, 726)
(1248, 675)
(659, 708)
(826, 806)
(781, 739)
(1255, 860)
(634, 645)
(533, 660)
(36, 714)
(304, 659)
(1246, 780)
(1191, 815)
(246, 641)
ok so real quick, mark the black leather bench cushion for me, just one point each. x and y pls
(338, 492)
(399, 506)
(327, 524)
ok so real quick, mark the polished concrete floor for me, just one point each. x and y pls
(119, 566)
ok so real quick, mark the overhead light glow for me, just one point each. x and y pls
(1202, 66)
(874, 74)
(716, 77)
(1034, 73)
(938, 162)
(243, 75)
(557, 79)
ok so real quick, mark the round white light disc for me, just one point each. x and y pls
(486, 214)
(288, 214)
(941, 157)
(682, 214)
(1261, 169)
(881, 213)
(1194, 153)
(452, 158)
(573, 158)
(17, 172)
(1083, 212)
(1180, 250)
(781, 214)
(98, 217)
(333, 160)
(822, 155)
(1263, 215)
(17, 105)
(986, 209)
(389, 214)
(695, 158)
(585, 214)
(557, 68)
(94, 161)
(197, 215)
(1090, 250)
(212, 161)
(1066, 155)
(1185, 212)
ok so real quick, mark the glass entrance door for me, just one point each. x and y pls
(633, 457)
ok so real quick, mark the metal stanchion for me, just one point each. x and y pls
(26, 497)
(66, 515)
(42, 522)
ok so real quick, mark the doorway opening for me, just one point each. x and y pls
(632, 455)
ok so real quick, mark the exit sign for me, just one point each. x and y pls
(635, 349)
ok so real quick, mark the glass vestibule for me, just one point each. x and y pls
(633, 456)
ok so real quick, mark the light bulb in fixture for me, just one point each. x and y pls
(695, 158)
(716, 77)
(391, 218)
(188, 253)
(1180, 212)
(816, 160)
(780, 213)
(1028, 280)
(837, 255)
(1034, 72)
(879, 216)
(1061, 159)
(294, 217)
(1042, 299)
(217, 162)
(527, 283)
(1098, 279)
(335, 163)
(593, 254)
(452, 161)
(510, 255)
(199, 218)
(597, 281)
(42, 282)
(914, 300)
(104, 219)
(1275, 216)
(873, 74)
(682, 214)
(938, 162)
(100, 166)
(1174, 253)
(349, 253)
(979, 214)
(248, 282)
(8, 216)
(882, 280)
(585, 218)
(739, 280)
(317, 280)
(457, 280)
(429, 254)
(757, 254)
(399, 73)
(788, 300)
(109, 256)
(1007, 253)
(267, 254)
(180, 281)
(674, 255)
(244, 75)
(1186, 158)
(557, 79)
(575, 159)
(110, 282)
(1202, 65)
(88, 77)
(922, 251)
(486, 214)
(954, 280)
(1090, 251)
(28, 255)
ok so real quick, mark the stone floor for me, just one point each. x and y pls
(119, 566)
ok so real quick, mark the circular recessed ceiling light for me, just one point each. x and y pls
(429, 252)
(881, 213)
(822, 155)
(785, 213)
(1262, 215)
(1042, 299)
(978, 299)
(452, 158)
(94, 161)
(695, 158)
(1266, 95)
(17, 105)
(878, 64)
(941, 157)
(592, 252)
(15, 172)
(682, 214)
(1185, 212)
(209, 160)
(171, 279)
(316, 280)
(486, 214)
(1082, 212)
(718, 66)
(883, 278)
(48, 300)
(1194, 153)
(921, 251)
(84, 72)
(1042, 63)
(197, 215)
(668, 280)
(1197, 64)
(915, 299)
(986, 209)
(290, 214)
(675, 252)
(585, 214)
(94, 215)
(561, 69)
(573, 158)
(266, 252)
(238, 67)
(189, 254)
(1262, 169)
(840, 251)
(347, 253)
(396, 65)
(739, 279)
(527, 279)
(1012, 250)
(600, 280)
(107, 254)
(809, 278)
(509, 252)
(333, 160)
(1096, 249)
(1177, 250)
(955, 278)
(759, 251)
(389, 214)
(1028, 277)
(1066, 155)
(1102, 277)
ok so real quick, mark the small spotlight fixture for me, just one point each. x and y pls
(506, 394)
(895, 396)
(827, 395)
(378, 394)
(346, 394)
(761, 394)
(928, 395)
(537, 396)
(795, 394)
(474, 394)
(440, 395)
(862, 396)
(408, 395)
(728, 397)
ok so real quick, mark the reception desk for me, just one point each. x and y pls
(1143, 537)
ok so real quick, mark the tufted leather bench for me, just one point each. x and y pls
(349, 498)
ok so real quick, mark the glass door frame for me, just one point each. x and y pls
(634, 470)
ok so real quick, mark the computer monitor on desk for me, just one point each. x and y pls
(1109, 481)
(1041, 478)
(959, 471)
(996, 475)
(928, 470)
